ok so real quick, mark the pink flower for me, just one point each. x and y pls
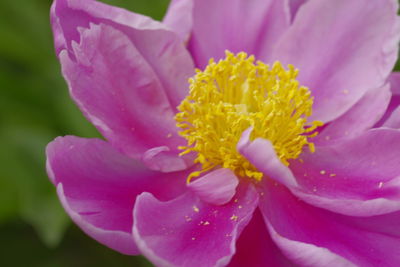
(256, 196)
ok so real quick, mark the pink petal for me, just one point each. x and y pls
(85, 12)
(315, 237)
(261, 154)
(217, 187)
(306, 254)
(393, 121)
(119, 92)
(255, 247)
(391, 118)
(179, 18)
(253, 26)
(342, 48)
(188, 232)
(144, 48)
(98, 186)
(119, 240)
(359, 177)
(362, 116)
(162, 159)
(394, 80)
(294, 7)
(159, 47)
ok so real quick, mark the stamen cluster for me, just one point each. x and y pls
(234, 94)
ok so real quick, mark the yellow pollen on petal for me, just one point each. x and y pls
(234, 94)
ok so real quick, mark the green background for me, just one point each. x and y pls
(34, 109)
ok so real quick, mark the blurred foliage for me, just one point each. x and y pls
(34, 109)
(23, 248)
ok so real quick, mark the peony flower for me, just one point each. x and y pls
(283, 148)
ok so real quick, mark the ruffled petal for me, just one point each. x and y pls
(119, 92)
(342, 48)
(252, 26)
(188, 232)
(127, 65)
(216, 187)
(85, 12)
(362, 116)
(255, 247)
(98, 186)
(315, 237)
(358, 177)
(161, 48)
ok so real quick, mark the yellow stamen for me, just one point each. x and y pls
(234, 94)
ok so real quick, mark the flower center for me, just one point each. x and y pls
(234, 94)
